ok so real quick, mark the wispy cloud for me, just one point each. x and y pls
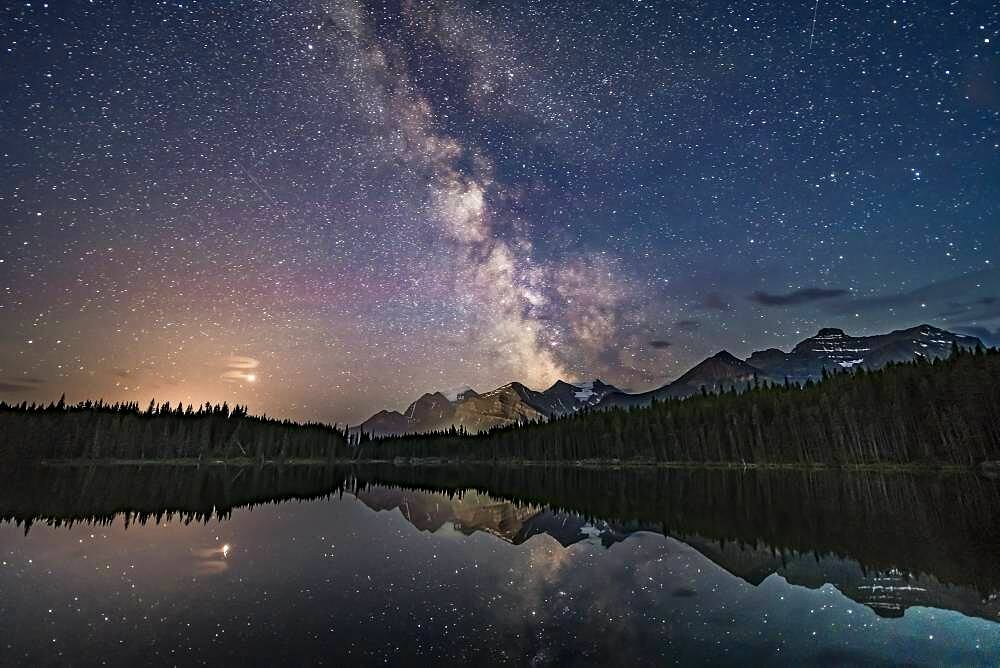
(240, 369)
(716, 302)
(796, 297)
(963, 299)
(20, 384)
(987, 336)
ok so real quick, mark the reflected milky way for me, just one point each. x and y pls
(382, 563)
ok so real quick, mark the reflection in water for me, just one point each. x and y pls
(513, 564)
(887, 592)
(212, 559)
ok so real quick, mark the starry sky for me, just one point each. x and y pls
(324, 208)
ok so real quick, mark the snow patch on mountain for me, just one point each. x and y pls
(455, 392)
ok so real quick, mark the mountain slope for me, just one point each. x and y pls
(831, 349)
(834, 350)
(510, 404)
(430, 410)
(505, 405)
(387, 423)
(562, 396)
(719, 372)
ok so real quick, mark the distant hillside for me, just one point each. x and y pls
(931, 412)
(718, 373)
(928, 412)
(830, 350)
(513, 403)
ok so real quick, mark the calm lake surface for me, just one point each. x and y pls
(298, 565)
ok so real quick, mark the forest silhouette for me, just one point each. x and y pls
(944, 412)
(929, 413)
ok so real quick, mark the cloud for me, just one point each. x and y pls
(796, 297)
(240, 369)
(20, 384)
(988, 337)
(984, 308)
(687, 325)
(716, 302)
(659, 344)
(962, 299)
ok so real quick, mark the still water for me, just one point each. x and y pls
(177, 565)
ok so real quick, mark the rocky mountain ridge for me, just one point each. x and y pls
(475, 412)
(831, 349)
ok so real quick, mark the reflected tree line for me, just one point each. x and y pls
(942, 525)
(939, 524)
(96, 494)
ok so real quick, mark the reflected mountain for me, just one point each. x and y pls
(473, 511)
(888, 593)
(889, 541)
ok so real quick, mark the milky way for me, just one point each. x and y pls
(320, 209)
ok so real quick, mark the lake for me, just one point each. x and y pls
(162, 565)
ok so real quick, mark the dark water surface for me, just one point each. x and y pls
(304, 565)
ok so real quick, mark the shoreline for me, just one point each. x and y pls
(986, 468)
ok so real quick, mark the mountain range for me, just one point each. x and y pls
(509, 404)
(831, 350)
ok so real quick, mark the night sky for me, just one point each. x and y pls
(321, 209)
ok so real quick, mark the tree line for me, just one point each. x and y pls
(945, 411)
(96, 430)
(940, 412)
